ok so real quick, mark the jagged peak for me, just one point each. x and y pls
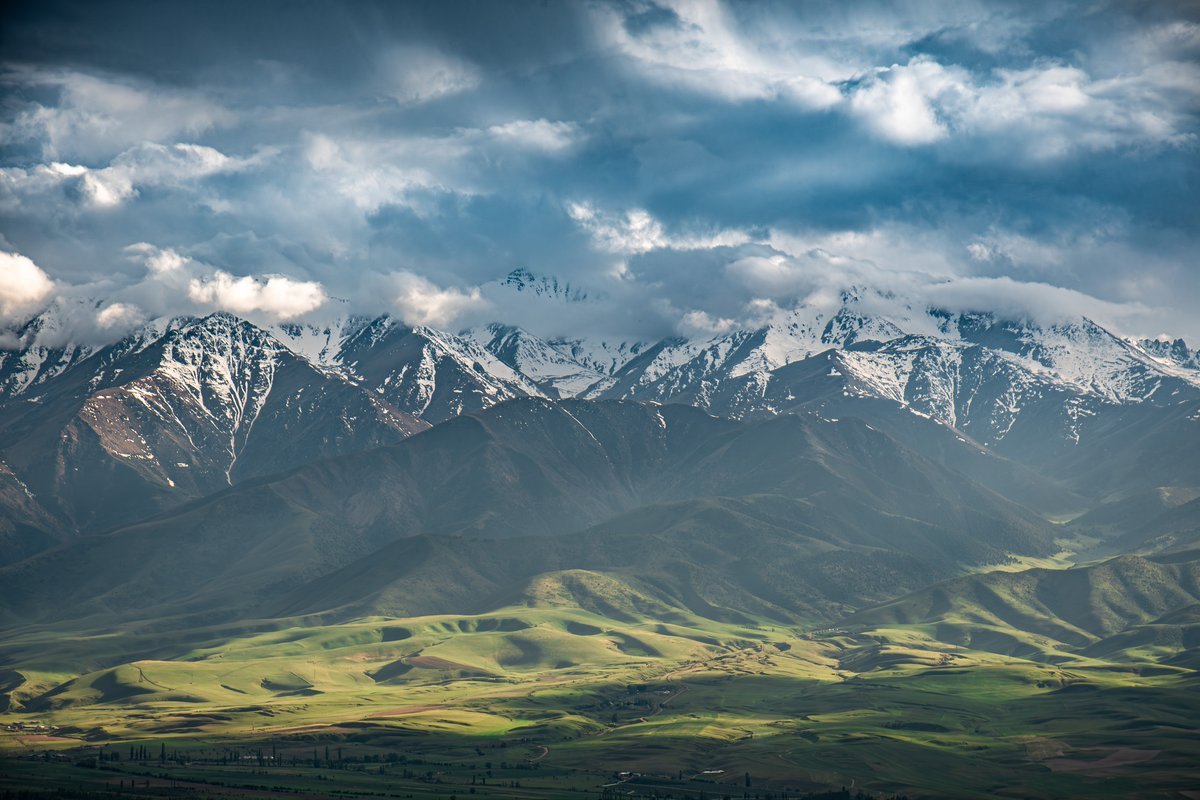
(549, 286)
(222, 325)
(1176, 351)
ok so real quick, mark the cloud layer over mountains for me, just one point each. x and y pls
(690, 166)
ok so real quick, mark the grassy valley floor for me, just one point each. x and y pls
(558, 703)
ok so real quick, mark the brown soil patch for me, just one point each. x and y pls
(1114, 760)
(211, 788)
(311, 729)
(433, 662)
(45, 738)
(1038, 748)
(396, 712)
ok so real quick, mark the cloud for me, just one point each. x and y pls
(277, 296)
(419, 73)
(537, 134)
(1048, 110)
(120, 316)
(96, 116)
(899, 103)
(636, 231)
(373, 173)
(159, 262)
(24, 287)
(700, 323)
(669, 157)
(795, 276)
(419, 301)
(1041, 303)
(699, 46)
(178, 166)
(1056, 109)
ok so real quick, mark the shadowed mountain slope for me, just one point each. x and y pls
(536, 468)
(147, 425)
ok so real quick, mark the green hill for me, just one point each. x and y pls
(1050, 614)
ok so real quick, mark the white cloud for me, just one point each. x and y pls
(701, 323)
(537, 134)
(277, 296)
(981, 252)
(24, 287)
(97, 116)
(419, 301)
(178, 165)
(1039, 302)
(779, 274)
(900, 103)
(158, 261)
(1044, 111)
(637, 231)
(404, 169)
(120, 316)
(703, 50)
(176, 284)
(371, 174)
(633, 232)
(1055, 109)
(161, 165)
(1023, 253)
(419, 73)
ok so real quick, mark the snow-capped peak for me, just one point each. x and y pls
(522, 280)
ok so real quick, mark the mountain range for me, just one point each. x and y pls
(93, 437)
(212, 524)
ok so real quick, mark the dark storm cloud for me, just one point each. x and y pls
(685, 161)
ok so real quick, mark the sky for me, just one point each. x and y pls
(689, 167)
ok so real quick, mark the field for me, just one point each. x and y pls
(558, 702)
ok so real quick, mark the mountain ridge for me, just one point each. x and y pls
(1065, 399)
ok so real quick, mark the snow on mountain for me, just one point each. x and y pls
(46, 347)
(185, 406)
(319, 343)
(522, 280)
(1085, 356)
(974, 389)
(603, 356)
(198, 403)
(159, 420)
(562, 366)
(1171, 353)
(428, 373)
(552, 366)
(994, 379)
(691, 371)
(41, 349)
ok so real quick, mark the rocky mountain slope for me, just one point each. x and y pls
(148, 423)
(185, 407)
(601, 484)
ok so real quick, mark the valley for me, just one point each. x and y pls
(565, 703)
(599, 400)
(798, 562)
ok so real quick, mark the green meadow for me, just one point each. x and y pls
(559, 702)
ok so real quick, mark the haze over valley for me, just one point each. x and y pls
(656, 400)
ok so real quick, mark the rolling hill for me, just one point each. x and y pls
(1059, 615)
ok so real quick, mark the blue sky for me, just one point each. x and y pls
(690, 165)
